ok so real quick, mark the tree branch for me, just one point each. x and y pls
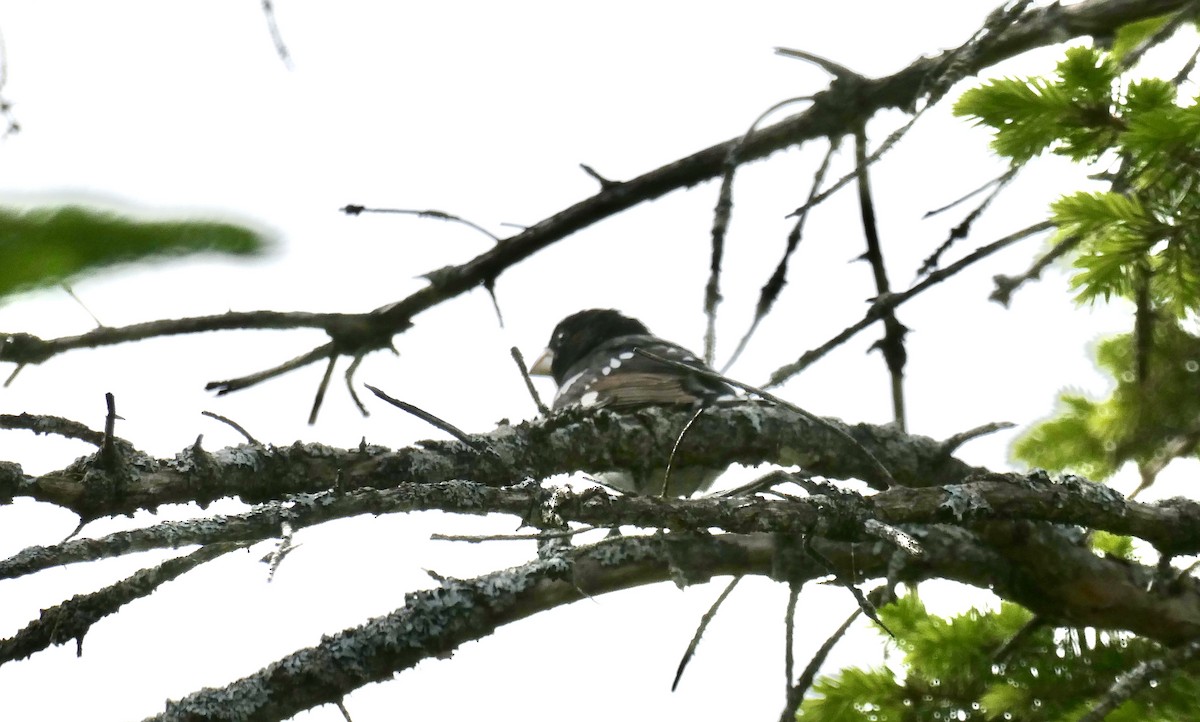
(833, 113)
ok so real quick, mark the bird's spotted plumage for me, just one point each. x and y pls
(593, 359)
(592, 356)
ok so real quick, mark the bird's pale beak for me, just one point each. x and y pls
(541, 367)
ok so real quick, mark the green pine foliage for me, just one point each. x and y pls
(1143, 420)
(962, 669)
(1148, 142)
(48, 245)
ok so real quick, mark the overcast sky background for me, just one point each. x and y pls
(483, 110)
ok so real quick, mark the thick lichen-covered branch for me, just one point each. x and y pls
(749, 433)
(1094, 591)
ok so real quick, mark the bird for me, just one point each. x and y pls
(592, 356)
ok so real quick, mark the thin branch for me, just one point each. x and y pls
(675, 449)
(874, 313)
(230, 385)
(24, 348)
(355, 210)
(952, 444)
(969, 195)
(430, 419)
(489, 285)
(961, 231)
(537, 400)
(701, 628)
(350, 385)
(52, 425)
(789, 634)
(720, 226)
(76, 299)
(712, 289)
(73, 618)
(892, 343)
(797, 691)
(864, 604)
(1187, 68)
(108, 449)
(1006, 285)
(276, 36)
(236, 426)
(774, 285)
(322, 387)
(605, 183)
(835, 69)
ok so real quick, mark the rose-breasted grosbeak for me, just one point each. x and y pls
(592, 357)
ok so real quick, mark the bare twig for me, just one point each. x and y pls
(276, 36)
(76, 299)
(354, 210)
(789, 633)
(1006, 285)
(721, 214)
(864, 604)
(489, 285)
(675, 448)
(322, 387)
(236, 426)
(892, 343)
(834, 69)
(430, 419)
(537, 400)
(700, 629)
(797, 691)
(1188, 67)
(605, 183)
(969, 194)
(964, 228)
(350, 386)
(230, 385)
(892, 300)
(770, 291)
(952, 444)
(108, 449)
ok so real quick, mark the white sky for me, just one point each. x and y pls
(484, 110)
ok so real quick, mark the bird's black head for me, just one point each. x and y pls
(580, 333)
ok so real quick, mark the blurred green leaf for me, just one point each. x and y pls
(1144, 420)
(49, 245)
(1133, 34)
(1114, 545)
